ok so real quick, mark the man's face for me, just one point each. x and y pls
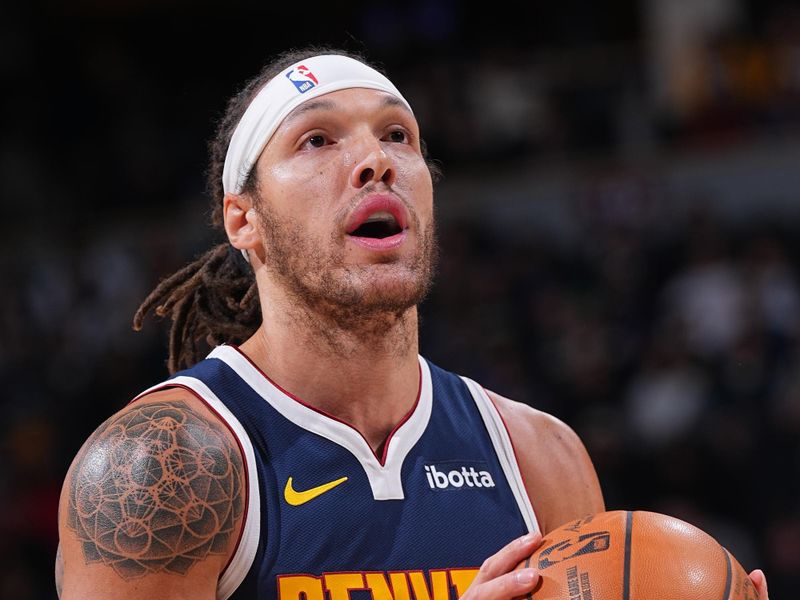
(346, 204)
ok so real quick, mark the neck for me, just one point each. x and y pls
(361, 369)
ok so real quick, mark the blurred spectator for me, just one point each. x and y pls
(706, 300)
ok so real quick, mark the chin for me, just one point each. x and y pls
(377, 289)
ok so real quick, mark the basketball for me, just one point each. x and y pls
(636, 555)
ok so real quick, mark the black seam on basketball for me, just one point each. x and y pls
(728, 575)
(529, 596)
(626, 573)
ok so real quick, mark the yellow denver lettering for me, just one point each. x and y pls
(300, 587)
(392, 585)
(340, 584)
(377, 584)
(462, 579)
(438, 590)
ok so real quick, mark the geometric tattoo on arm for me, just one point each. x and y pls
(156, 490)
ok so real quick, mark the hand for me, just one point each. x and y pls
(497, 579)
(760, 581)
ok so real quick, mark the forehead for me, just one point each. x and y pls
(349, 101)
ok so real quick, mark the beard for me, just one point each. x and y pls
(364, 298)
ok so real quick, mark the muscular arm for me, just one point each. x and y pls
(153, 503)
(559, 476)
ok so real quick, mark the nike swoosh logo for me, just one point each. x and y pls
(296, 498)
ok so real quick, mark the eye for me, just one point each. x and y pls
(398, 136)
(317, 141)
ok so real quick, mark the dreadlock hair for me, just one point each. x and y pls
(214, 299)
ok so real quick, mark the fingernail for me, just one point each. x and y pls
(527, 538)
(525, 576)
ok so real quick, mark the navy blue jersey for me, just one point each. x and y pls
(329, 519)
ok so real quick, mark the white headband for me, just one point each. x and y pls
(299, 83)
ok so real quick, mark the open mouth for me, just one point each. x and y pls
(379, 225)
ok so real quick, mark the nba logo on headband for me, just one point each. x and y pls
(302, 78)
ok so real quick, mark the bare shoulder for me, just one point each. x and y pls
(153, 501)
(559, 475)
(529, 424)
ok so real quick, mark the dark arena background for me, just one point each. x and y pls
(619, 219)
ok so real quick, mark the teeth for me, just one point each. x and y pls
(380, 216)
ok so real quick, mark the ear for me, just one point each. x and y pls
(241, 223)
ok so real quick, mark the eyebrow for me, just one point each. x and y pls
(327, 105)
(309, 106)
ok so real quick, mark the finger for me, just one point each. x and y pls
(507, 557)
(760, 581)
(506, 587)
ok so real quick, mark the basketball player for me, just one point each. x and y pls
(322, 457)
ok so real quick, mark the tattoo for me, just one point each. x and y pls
(156, 489)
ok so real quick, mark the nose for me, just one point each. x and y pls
(374, 167)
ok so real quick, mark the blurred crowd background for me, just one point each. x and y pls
(619, 221)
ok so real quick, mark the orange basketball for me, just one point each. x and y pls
(636, 555)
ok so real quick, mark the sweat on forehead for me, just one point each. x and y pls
(303, 81)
